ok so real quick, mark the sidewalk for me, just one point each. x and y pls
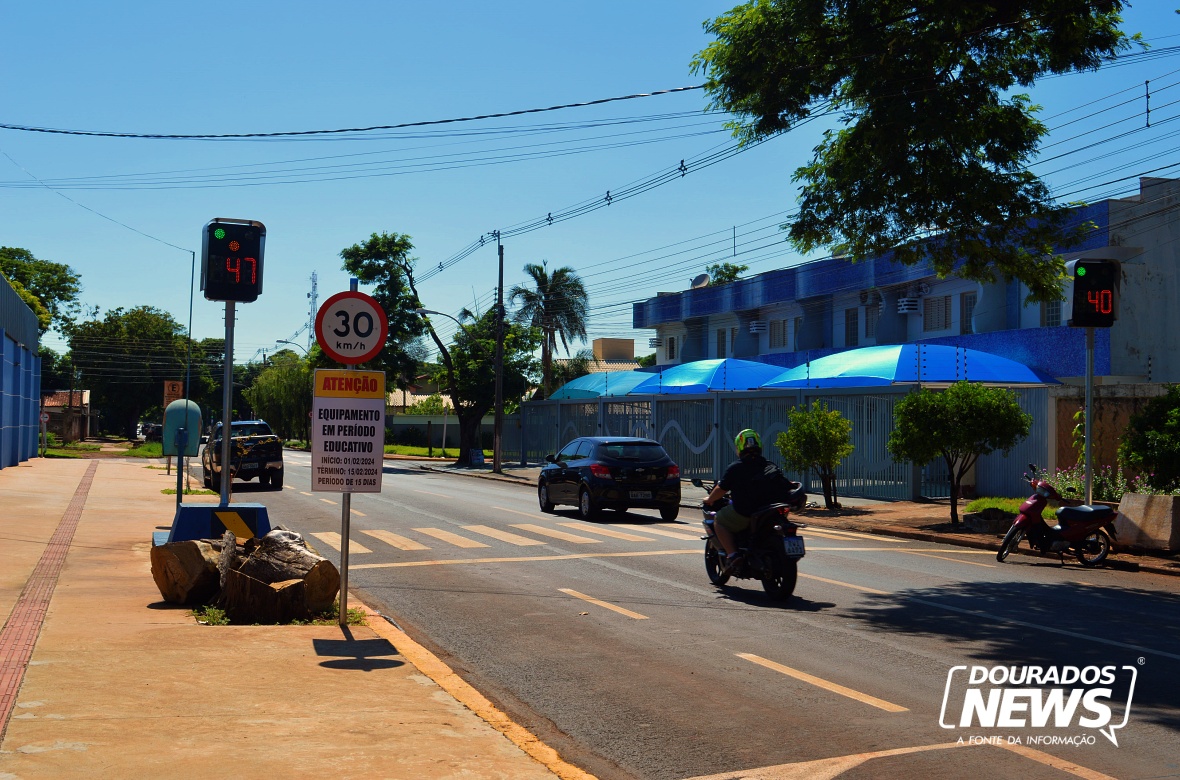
(927, 522)
(100, 678)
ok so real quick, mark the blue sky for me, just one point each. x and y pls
(262, 67)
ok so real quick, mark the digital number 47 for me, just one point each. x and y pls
(234, 266)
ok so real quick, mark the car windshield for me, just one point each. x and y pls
(633, 451)
(249, 429)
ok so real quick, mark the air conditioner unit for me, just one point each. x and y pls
(758, 326)
(869, 297)
(907, 305)
(656, 342)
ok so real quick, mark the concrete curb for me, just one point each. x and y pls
(900, 533)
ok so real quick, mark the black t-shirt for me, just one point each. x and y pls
(752, 484)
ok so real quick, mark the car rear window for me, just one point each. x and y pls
(645, 451)
(251, 429)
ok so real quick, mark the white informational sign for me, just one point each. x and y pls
(347, 431)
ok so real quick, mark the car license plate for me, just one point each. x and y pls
(646, 494)
(794, 545)
(247, 466)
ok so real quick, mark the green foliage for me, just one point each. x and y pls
(431, 404)
(1009, 505)
(281, 395)
(51, 289)
(935, 139)
(1079, 433)
(473, 356)
(724, 273)
(960, 423)
(1151, 442)
(646, 361)
(384, 261)
(817, 439)
(211, 616)
(556, 305)
(569, 370)
(151, 449)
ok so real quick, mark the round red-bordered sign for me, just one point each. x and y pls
(351, 327)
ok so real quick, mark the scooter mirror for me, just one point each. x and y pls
(1033, 468)
(697, 481)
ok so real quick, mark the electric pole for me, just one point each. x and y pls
(498, 427)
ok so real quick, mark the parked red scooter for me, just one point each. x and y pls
(1086, 530)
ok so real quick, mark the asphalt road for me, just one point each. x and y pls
(608, 641)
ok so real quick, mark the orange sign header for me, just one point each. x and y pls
(334, 383)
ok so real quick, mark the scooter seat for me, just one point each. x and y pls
(1084, 514)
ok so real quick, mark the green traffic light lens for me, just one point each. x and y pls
(219, 233)
(1081, 269)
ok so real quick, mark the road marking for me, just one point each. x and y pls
(447, 536)
(328, 501)
(305, 493)
(536, 529)
(603, 604)
(944, 558)
(332, 539)
(861, 588)
(427, 492)
(523, 514)
(400, 542)
(608, 532)
(288, 487)
(524, 558)
(503, 536)
(875, 537)
(898, 550)
(358, 513)
(647, 529)
(819, 682)
(1056, 763)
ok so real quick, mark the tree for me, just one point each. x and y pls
(646, 361)
(281, 394)
(431, 404)
(817, 439)
(1151, 442)
(55, 370)
(53, 286)
(569, 370)
(934, 143)
(724, 273)
(557, 306)
(960, 423)
(384, 261)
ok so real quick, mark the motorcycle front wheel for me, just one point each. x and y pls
(781, 582)
(1010, 543)
(713, 565)
(1093, 550)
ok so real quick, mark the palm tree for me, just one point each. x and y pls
(557, 306)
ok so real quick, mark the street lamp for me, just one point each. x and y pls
(293, 344)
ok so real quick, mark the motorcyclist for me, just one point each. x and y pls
(748, 484)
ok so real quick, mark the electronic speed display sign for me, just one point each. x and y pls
(231, 260)
(1095, 300)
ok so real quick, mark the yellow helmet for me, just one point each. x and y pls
(747, 439)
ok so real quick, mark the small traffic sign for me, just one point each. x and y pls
(351, 327)
(44, 417)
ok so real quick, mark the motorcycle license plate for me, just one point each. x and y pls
(794, 545)
(641, 494)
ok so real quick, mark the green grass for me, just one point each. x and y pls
(1010, 505)
(212, 616)
(78, 446)
(421, 452)
(56, 452)
(150, 449)
(189, 492)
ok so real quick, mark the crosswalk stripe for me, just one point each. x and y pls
(647, 529)
(503, 536)
(447, 536)
(608, 532)
(537, 529)
(333, 540)
(400, 542)
(523, 514)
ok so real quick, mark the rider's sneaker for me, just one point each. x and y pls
(731, 563)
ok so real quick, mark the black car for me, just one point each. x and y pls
(615, 472)
(254, 452)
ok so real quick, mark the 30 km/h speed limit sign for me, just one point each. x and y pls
(351, 327)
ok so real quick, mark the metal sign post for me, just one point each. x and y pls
(227, 401)
(1089, 413)
(44, 433)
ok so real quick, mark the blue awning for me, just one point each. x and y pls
(702, 376)
(606, 383)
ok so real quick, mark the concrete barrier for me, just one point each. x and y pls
(1149, 522)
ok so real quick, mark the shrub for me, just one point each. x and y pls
(1151, 442)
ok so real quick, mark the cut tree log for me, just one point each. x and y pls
(281, 556)
(186, 572)
(249, 600)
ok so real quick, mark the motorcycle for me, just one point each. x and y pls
(769, 550)
(1086, 530)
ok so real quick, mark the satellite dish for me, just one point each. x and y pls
(700, 281)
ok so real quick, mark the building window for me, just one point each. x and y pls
(671, 348)
(798, 327)
(937, 313)
(1050, 314)
(721, 343)
(966, 312)
(852, 327)
(733, 340)
(872, 314)
(778, 334)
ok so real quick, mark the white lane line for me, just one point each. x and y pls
(328, 501)
(819, 682)
(503, 536)
(450, 538)
(603, 604)
(861, 588)
(536, 529)
(607, 532)
(944, 558)
(333, 541)
(358, 512)
(400, 542)
(522, 514)
(305, 493)
(427, 492)
(647, 529)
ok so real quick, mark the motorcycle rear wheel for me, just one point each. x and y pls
(713, 565)
(1092, 550)
(781, 583)
(1010, 543)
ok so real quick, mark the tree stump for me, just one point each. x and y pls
(282, 556)
(248, 600)
(186, 572)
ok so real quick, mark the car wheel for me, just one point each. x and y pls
(276, 480)
(215, 482)
(587, 508)
(669, 513)
(208, 483)
(263, 478)
(543, 498)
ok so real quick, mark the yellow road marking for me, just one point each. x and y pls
(608, 532)
(944, 558)
(427, 492)
(358, 513)
(1056, 763)
(536, 529)
(234, 522)
(845, 584)
(819, 682)
(875, 537)
(305, 493)
(400, 542)
(503, 536)
(647, 529)
(603, 604)
(447, 536)
(333, 540)
(524, 558)
(523, 514)
(288, 487)
(899, 550)
(328, 501)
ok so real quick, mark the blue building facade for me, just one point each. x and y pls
(20, 379)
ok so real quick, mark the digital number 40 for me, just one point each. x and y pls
(1102, 300)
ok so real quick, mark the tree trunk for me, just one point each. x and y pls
(249, 600)
(277, 559)
(954, 499)
(829, 490)
(186, 572)
(470, 430)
